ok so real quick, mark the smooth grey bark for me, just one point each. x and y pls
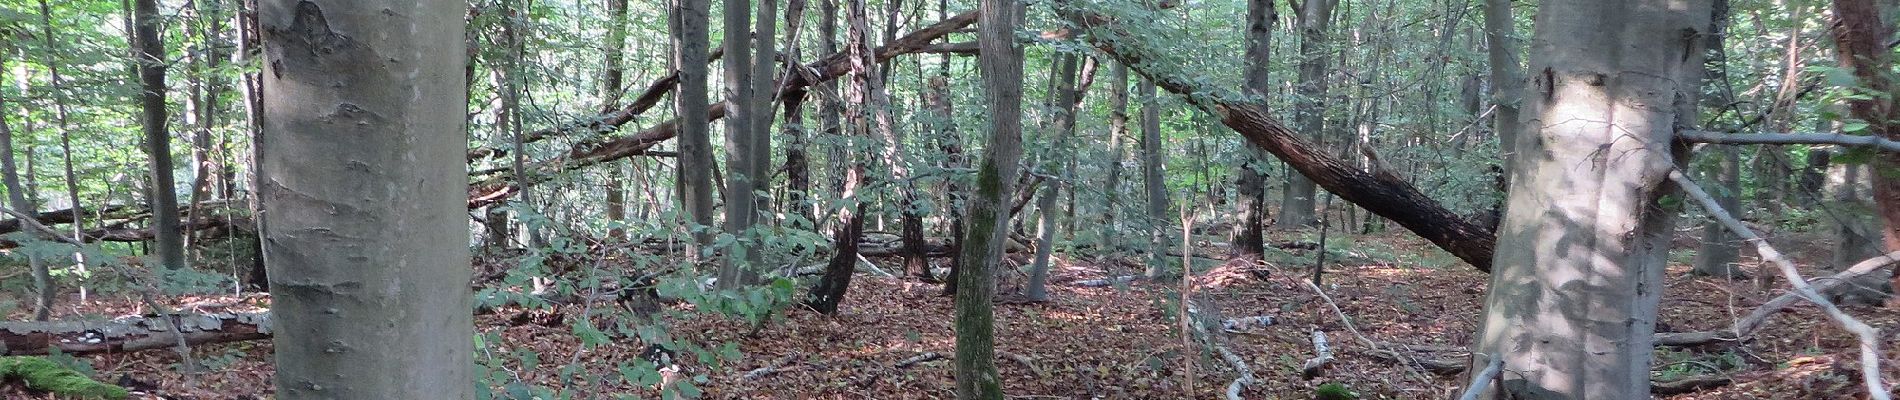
(65, 134)
(1297, 202)
(151, 61)
(748, 121)
(1720, 248)
(1000, 64)
(1117, 129)
(1250, 204)
(362, 163)
(1577, 275)
(1507, 77)
(1154, 185)
(1037, 288)
(17, 200)
(689, 19)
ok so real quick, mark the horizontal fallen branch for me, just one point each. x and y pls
(130, 334)
(1749, 323)
(1788, 138)
(1323, 355)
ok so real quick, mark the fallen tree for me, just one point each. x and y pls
(130, 334)
(1378, 190)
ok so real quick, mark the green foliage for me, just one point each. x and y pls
(1333, 391)
(45, 375)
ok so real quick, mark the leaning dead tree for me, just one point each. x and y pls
(1377, 190)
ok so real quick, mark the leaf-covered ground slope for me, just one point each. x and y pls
(1113, 343)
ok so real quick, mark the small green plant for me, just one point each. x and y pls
(1333, 391)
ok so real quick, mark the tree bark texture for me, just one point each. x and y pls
(1578, 275)
(362, 176)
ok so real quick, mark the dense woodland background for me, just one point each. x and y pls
(1240, 199)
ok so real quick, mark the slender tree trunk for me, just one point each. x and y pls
(1315, 16)
(1860, 35)
(17, 199)
(1507, 77)
(743, 131)
(364, 113)
(65, 136)
(1001, 66)
(689, 21)
(1720, 248)
(151, 72)
(1251, 201)
(797, 163)
(1581, 250)
(1155, 188)
(610, 88)
(1053, 158)
(861, 109)
(252, 91)
(938, 103)
(1117, 130)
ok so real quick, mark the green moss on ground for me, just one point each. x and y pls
(45, 375)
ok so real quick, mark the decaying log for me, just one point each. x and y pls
(129, 334)
(1322, 356)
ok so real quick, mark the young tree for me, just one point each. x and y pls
(1721, 248)
(1315, 17)
(1154, 185)
(748, 124)
(1001, 65)
(1065, 104)
(363, 158)
(17, 200)
(689, 19)
(151, 61)
(1576, 277)
(611, 85)
(862, 108)
(1251, 200)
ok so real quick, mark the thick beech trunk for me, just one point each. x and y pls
(363, 162)
(1576, 282)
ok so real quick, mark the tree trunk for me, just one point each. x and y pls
(1315, 16)
(151, 71)
(1052, 160)
(1154, 187)
(797, 165)
(1581, 250)
(689, 22)
(1720, 248)
(1507, 77)
(741, 138)
(1117, 129)
(1001, 66)
(610, 88)
(1860, 38)
(78, 224)
(861, 108)
(252, 91)
(17, 200)
(1251, 201)
(364, 158)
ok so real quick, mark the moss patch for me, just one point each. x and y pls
(44, 375)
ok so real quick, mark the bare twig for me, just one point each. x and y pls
(1869, 337)
(1404, 359)
(1482, 379)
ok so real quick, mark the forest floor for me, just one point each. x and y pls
(1119, 343)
